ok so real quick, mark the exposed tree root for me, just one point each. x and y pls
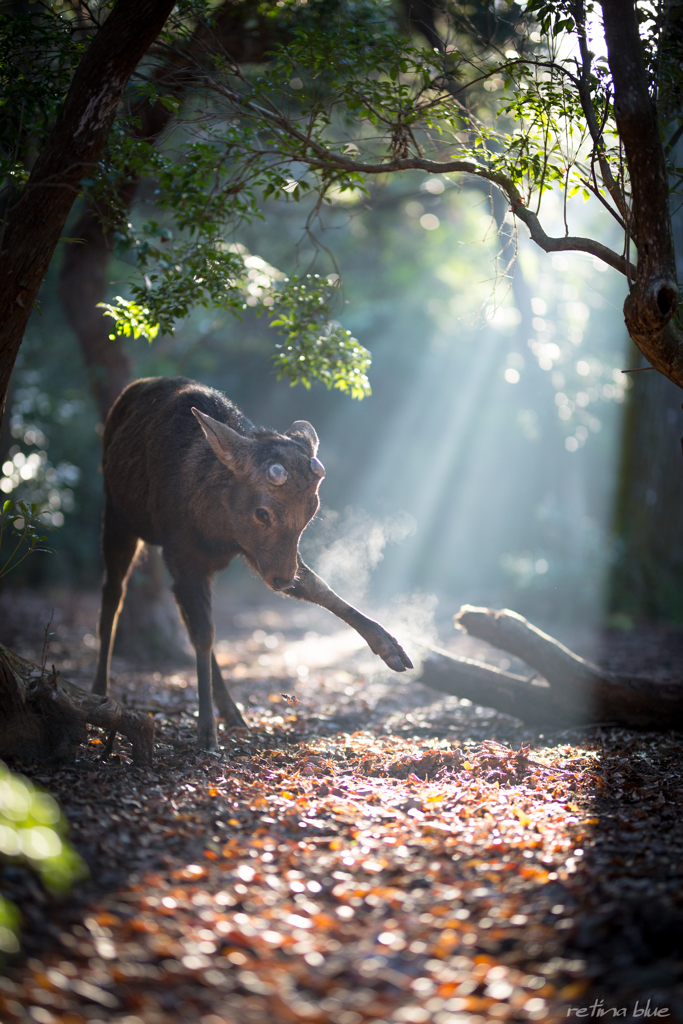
(44, 715)
(571, 690)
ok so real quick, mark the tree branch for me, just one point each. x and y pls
(594, 128)
(323, 159)
(549, 243)
(577, 693)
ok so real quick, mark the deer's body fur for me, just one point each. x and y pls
(186, 470)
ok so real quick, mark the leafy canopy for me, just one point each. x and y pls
(344, 101)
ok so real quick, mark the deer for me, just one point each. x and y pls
(185, 470)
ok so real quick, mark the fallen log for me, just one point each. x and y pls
(570, 691)
(44, 716)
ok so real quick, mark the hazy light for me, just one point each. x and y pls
(461, 454)
(433, 185)
(429, 221)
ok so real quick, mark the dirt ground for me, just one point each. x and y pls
(368, 852)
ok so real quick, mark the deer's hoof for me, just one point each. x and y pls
(397, 662)
(390, 651)
(207, 738)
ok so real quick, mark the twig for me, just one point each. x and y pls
(109, 745)
(46, 644)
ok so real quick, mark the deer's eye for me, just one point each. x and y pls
(263, 516)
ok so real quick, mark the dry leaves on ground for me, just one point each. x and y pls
(345, 865)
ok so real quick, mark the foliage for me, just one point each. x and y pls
(344, 99)
(9, 926)
(53, 449)
(26, 522)
(316, 349)
(40, 53)
(33, 832)
(365, 103)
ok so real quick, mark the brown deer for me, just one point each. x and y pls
(184, 469)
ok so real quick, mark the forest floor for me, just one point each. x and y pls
(367, 852)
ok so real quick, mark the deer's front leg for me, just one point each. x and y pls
(309, 587)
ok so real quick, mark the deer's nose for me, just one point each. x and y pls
(280, 583)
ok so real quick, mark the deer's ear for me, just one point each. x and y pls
(233, 449)
(302, 430)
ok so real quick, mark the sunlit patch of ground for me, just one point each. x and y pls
(366, 852)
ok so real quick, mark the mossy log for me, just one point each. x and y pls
(565, 689)
(44, 716)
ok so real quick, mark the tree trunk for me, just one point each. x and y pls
(647, 575)
(653, 296)
(82, 286)
(33, 225)
(44, 716)
(571, 692)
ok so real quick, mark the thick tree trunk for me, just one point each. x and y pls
(571, 691)
(653, 296)
(44, 716)
(34, 224)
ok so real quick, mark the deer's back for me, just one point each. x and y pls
(156, 465)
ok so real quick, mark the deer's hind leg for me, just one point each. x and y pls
(119, 548)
